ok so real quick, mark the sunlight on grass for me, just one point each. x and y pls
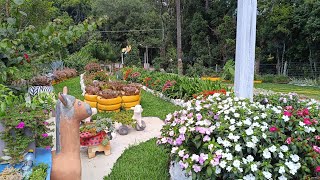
(73, 85)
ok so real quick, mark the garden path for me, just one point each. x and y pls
(101, 165)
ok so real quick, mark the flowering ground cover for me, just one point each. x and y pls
(225, 137)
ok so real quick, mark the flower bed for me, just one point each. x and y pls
(171, 85)
(230, 138)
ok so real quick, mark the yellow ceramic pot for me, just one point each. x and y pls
(91, 103)
(126, 99)
(112, 101)
(92, 98)
(109, 107)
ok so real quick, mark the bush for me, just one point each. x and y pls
(271, 78)
(78, 60)
(224, 137)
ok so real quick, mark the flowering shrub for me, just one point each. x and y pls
(225, 137)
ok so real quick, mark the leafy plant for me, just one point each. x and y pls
(92, 67)
(39, 172)
(123, 117)
(228, 70)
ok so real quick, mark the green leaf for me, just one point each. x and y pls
(209, 171)
(18, 2)
(11, 21)
(23, 13)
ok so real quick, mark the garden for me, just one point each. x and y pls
(97, 90)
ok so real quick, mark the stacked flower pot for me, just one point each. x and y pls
(106, 104)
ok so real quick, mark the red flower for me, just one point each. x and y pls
(287, 113)
(273, 129)
(289, 140)
(307, 121)
(317, 169)
(305, 111)
(25, 56)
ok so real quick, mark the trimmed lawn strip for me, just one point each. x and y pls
(156, 107)
(73, 86)
(311, 92)
(144, 161)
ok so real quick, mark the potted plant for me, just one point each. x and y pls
(91, 95)
(109, 100)
(96, 132)
(131, 96)
(122, 120)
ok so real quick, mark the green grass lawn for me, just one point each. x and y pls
(145, 161)
(73, 85)
(311, 92)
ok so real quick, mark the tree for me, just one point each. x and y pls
(179, 45)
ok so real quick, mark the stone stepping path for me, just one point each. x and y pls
(98, 167)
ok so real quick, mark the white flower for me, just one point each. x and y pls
(282, 178)
(249, 177)
(183, 130)
(282, 170)
(254, 167)
(218, 170)
(232, 121)
(273, 148)
(210, 147)
(238, 148)
(195, 157)
(284, 148)
(264, 135)
(239, 123)
(263, 115)
(249, 131)
(285, 118)
(219, 140)
(266, 154)
(247, 122)
(295, 158)
(281, 155)
(254, 139)
(255, 124)
(236, 163)
(250, 144)
(223, 164)
(228, 156)
(250, 158)
(301, 124)
(267, 175)
(226, 143)
(232, 128)
(181, 153)
(256, 118)
(229, 168)
(174, 150)
(236, 115)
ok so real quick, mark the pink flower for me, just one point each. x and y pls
(48, 147)
(206, 138)
(317, 169)
(273, 129)
(316, 149)
(20, 125)
(314, 121)
(45, 135)
(317, 137)
(183, 165)
(196, 168)
(287, 113)
(289, 140)
(307, 121)
(300, 113)
(199, 116)
(289, 108)
(305, 111)
(45, 123)
(185, 156)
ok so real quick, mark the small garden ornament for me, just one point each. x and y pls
(137, 110)
(66, 163)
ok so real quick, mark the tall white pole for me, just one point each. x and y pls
(245, 48)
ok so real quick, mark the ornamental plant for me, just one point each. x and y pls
(225, 137)
(29, 116)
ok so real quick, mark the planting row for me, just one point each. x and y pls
(171, 85)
